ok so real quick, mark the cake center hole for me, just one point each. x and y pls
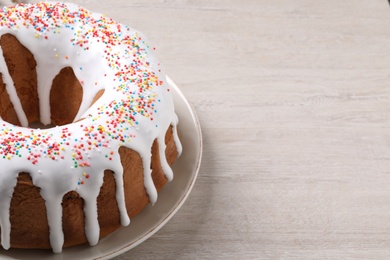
(39, 125)
(66, 93)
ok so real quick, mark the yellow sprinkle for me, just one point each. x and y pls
(56, 55)
(36, 35)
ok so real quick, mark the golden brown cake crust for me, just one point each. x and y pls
(7, 111)
(66, 95)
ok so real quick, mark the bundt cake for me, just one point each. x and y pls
(88, 130)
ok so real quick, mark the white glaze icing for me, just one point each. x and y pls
(135, 109)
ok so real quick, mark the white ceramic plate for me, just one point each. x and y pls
(152, 218)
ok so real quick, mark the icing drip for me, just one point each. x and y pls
(9, 83)
(163, 160)
(120, 198)
(148, 181)
(54, 220)
(135, 109)
(5, 201)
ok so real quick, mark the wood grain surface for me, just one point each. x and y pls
(294, 101)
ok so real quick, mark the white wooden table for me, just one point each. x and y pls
(294, 101)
